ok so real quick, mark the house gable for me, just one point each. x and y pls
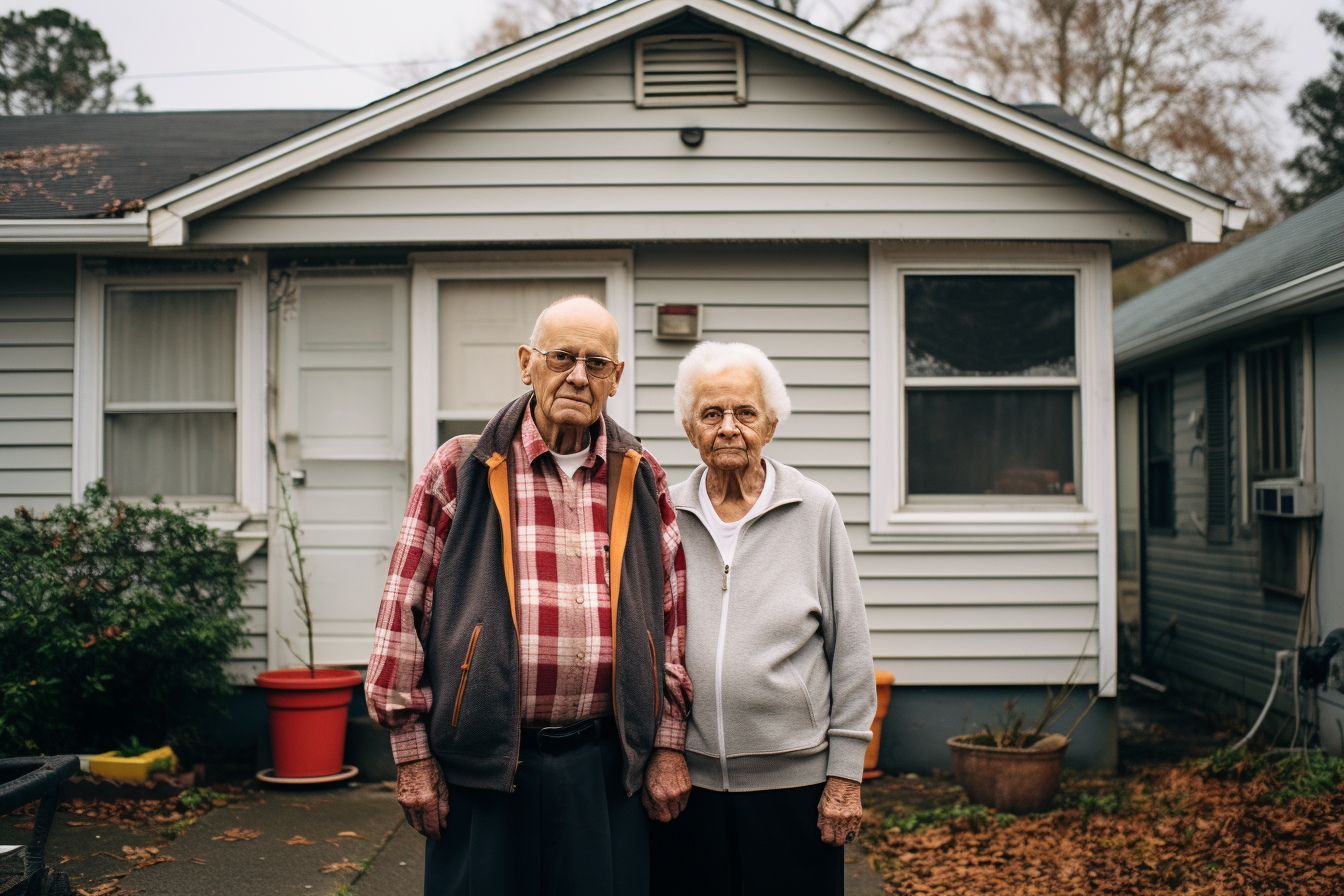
(1202, 214)
(566, 155)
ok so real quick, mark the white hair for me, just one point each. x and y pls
(709, 358)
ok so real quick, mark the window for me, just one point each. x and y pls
(1218, 462)
(170, 382)
(991, 392)
(1159, 453)
(481, 325)
(170, 404)
(1272, 437)
(469, 313)
(991, 385)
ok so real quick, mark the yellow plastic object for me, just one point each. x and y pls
(132, 768)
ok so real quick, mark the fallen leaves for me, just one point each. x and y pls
(340, 866)
(299, 840)
(101, 890)
(1167, 831)
(144, 856)
(351, 834)
(236, 834)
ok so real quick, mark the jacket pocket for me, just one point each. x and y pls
(466, 670)
(657, 680)
(807, 695)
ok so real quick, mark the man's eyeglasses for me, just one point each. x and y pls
(562, 361)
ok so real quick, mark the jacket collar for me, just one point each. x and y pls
(499, 432)
(788, 488)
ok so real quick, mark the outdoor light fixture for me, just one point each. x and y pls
(678, 322)
(692, 137)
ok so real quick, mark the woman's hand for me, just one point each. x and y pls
(839, 812)
(667, 784)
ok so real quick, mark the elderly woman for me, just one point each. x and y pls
(777, 651)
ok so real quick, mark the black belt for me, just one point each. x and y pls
(558, 738)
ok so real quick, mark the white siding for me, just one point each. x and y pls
(37, 353)
(941, 613)
(567, 156)
(250, 660)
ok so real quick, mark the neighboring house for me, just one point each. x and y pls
(929, 268)
(1229, 375)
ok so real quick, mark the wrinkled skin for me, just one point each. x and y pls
(731, 448)
(667, 785)
(839, 812)
(567, 403)
(423, 796)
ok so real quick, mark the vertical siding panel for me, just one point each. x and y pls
(37, 316)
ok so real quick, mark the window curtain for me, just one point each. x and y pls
(168, 350)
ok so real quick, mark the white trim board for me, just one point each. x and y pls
(250, 372)
(616, 267)
(132, 229)
(1205, 215)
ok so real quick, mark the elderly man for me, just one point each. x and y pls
(529, 649)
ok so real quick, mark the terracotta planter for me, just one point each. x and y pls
(1005, 778)
(308, 716)
(884, 682)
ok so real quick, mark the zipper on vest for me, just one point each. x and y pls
(466, 670)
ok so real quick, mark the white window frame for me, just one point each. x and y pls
(615, 267)
(893, 516)
(249, 280)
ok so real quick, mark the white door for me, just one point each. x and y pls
(481, 325)
(342, 413)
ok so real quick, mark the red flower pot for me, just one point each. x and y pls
(308, 715)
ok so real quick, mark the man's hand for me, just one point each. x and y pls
(423, 796)
(667, 784)
(839, 812)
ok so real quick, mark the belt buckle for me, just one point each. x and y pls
(580, 728)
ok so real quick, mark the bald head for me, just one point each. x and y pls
(580, 313)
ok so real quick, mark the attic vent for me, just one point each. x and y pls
(690, 70)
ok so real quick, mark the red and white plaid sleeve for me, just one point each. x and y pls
(676, 683)
(396, 689)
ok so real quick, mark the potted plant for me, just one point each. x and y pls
(133, 761)
(307, 705)
(1014, 767)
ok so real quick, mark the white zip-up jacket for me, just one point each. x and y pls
(777, 644)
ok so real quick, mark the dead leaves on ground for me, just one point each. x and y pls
(299, 840)
(340, 866)
(1181, 833)
(235, 834)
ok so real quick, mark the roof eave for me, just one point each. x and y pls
(130, 230)
(1318, 291)
(1206, 215)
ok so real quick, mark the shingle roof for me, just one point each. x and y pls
(69, 166)
(1310, 241)
(1062, 119)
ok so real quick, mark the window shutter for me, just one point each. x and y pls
(690, 70)
(1218, 461)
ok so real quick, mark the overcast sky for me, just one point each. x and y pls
(170, 45)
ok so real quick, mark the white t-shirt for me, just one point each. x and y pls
(725, 534)
(570, 463)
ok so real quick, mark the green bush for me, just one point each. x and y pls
(115, 619)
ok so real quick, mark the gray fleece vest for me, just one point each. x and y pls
(472, 653)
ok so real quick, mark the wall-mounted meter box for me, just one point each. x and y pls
(677, 322)
(1288, 497)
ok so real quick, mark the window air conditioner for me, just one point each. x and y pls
(1289, 498)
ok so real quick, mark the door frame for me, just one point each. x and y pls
(615, 266)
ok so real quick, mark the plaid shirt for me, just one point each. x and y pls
(564, 602)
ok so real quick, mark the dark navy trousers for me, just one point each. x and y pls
(568, 829)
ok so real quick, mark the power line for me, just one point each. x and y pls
(284, 68)
(297, 40)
